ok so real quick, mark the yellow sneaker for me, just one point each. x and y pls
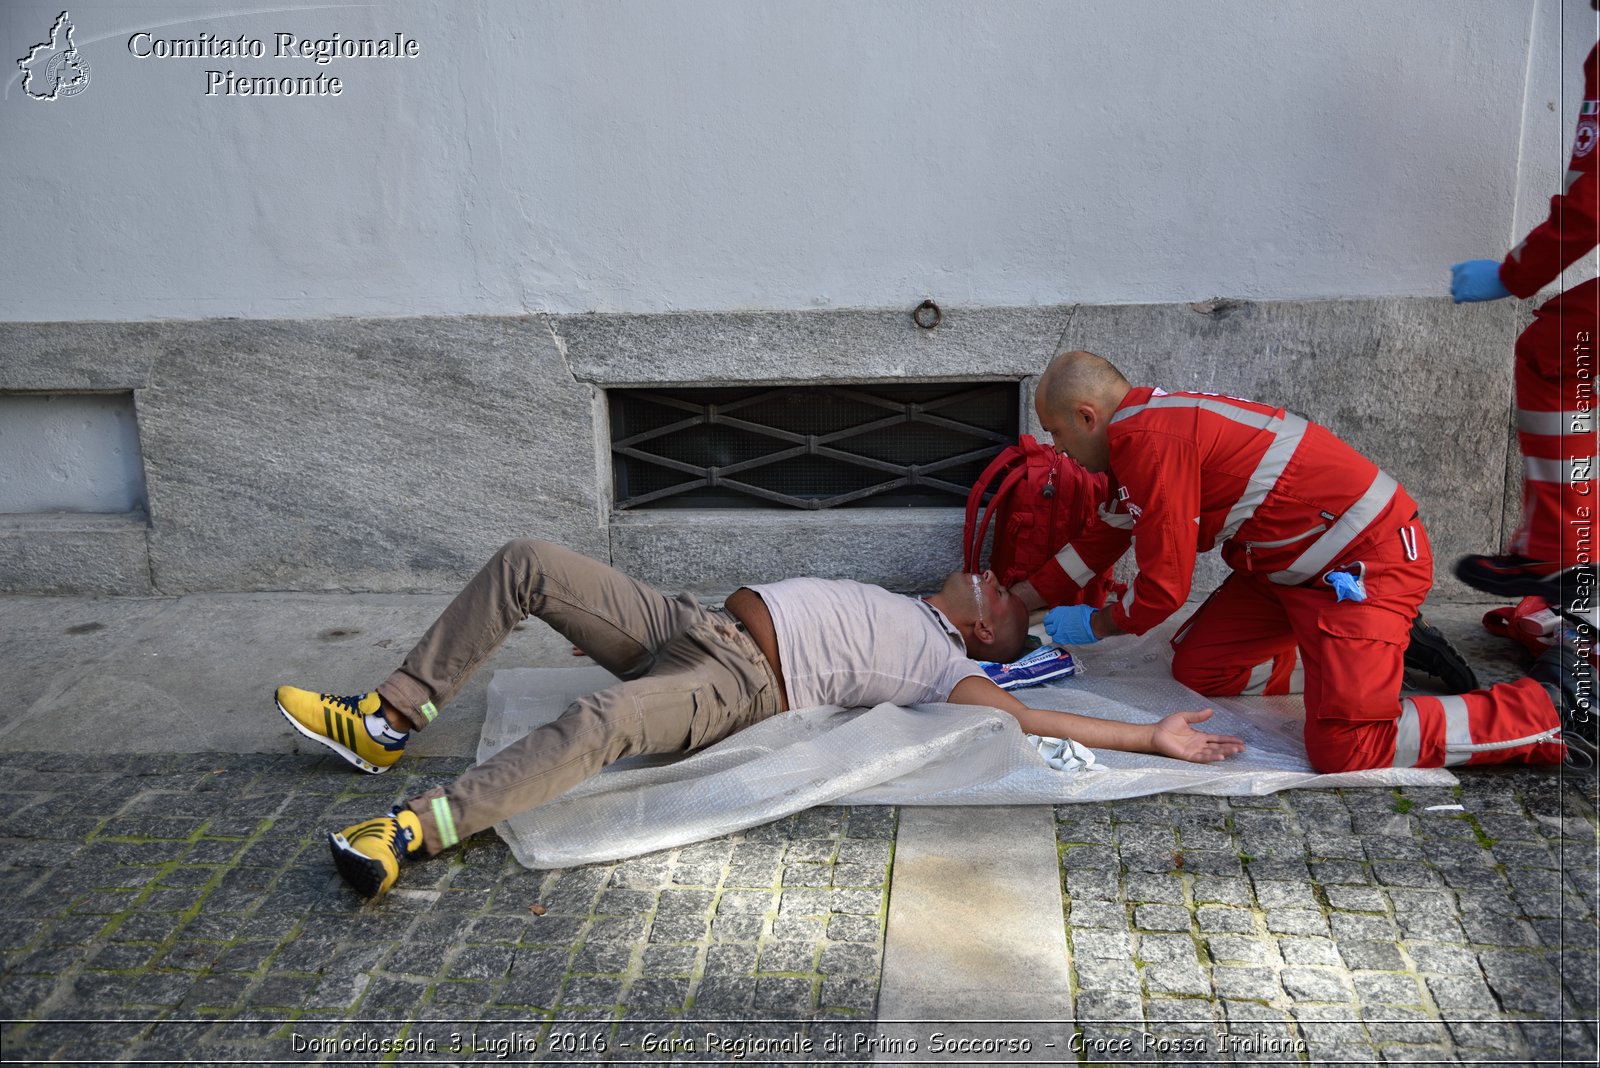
(340, 723)
(368, 854)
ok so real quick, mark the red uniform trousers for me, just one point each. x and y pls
(1555, 382)
(1255, 637)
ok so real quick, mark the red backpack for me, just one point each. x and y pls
(1044, 499)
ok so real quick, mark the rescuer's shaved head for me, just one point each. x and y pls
(1075, 399)
(1080, 376)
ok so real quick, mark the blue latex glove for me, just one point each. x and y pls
(1474, 280)
(1346, 587)
(1069, 625)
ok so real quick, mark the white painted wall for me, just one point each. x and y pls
(638, 155)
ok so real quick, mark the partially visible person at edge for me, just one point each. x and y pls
(692, 676)
(1551, 555)
(1330, 564)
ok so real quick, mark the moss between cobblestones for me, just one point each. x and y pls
(152, 886)
(1486, 840)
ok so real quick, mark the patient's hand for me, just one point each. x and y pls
(1174, 737)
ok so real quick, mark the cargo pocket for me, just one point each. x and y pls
(715, 717)
(1362, 662)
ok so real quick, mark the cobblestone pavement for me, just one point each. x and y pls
(1355, 926)
(1361, 926)
(184, 908)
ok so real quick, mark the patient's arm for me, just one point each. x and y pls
(1173, 736)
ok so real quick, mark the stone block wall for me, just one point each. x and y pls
(396, 454)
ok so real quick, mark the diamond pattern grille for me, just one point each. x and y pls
(884, 445)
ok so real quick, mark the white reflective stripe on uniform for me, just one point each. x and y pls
(1073, 565)
(1555, 424)
(1345, 530)
(1260, 675)
(1457, 730)
(1258, 420)
(1408, 736)
(1120, 520)
(1458, 743)
(1265, 477)
(1297, 677)
(1127, 600)
(1575, 469)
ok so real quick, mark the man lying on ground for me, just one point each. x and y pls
(691, 676)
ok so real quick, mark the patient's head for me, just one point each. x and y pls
(993, 623)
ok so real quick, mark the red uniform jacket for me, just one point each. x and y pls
(1573, 227)
(1286, 499)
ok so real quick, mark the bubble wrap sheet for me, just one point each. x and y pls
(923, 755)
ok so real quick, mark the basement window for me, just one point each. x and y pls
(906, 445)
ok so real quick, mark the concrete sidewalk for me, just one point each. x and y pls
(168, 887)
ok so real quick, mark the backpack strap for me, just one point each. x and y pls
(975, 548)
(1007, 457)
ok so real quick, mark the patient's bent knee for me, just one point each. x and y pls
(523, 549)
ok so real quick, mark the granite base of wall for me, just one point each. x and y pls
(75, 554)
(395, 454)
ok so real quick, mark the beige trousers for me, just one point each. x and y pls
(691, 676)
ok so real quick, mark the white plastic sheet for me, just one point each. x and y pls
(925, 755)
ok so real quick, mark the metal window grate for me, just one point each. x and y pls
(889, 444)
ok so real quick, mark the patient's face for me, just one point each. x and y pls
(1003, 611)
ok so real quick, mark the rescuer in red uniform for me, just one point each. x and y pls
(1552, 553)
(1330, 565)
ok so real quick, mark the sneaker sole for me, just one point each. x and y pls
(364, 874)
(354, 758)
(1548, 587)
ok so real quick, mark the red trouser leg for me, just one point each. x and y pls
(1237, 643)
(1555, 382)
(1353, 656)
(1355, 659)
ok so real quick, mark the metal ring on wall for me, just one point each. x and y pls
(927, 315)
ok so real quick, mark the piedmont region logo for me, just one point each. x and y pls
(54, 65)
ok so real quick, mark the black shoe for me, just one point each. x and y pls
(1510, 575)
(1568, 677)
(1431, 653)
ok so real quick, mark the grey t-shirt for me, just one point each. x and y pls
(847, 643)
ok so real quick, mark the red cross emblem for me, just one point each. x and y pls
(1583, 144)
